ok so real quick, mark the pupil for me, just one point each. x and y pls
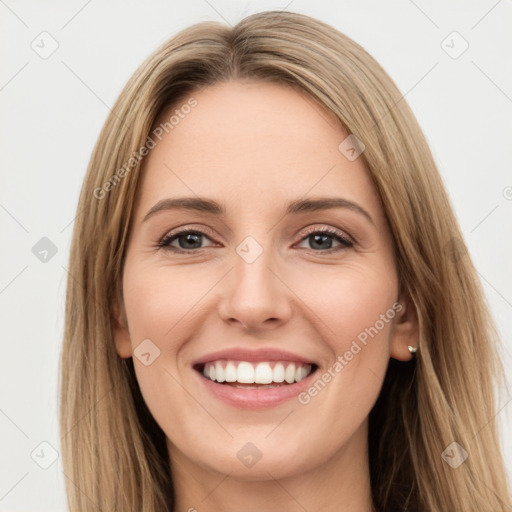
(190, 238)
(319, 239)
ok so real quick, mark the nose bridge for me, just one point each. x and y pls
(253, 293)
(252, 277)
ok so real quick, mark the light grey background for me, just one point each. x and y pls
(52, 112)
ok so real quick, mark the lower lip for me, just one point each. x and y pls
(255, 398)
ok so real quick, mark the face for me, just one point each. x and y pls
(263, 269)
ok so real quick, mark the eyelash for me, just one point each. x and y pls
(166, 240)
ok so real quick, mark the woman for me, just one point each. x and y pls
(270, 305)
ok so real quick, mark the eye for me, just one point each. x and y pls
(322, 240)
(187, 240)
(190, 240)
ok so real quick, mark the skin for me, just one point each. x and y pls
(254, 147)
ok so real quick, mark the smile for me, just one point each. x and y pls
(254, 385)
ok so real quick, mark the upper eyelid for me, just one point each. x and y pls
(180, 231)
(331, 231)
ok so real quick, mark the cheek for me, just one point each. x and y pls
(160, 307)
(356, 314)
(351, 300)
(158, 302)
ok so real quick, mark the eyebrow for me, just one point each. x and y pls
(299, 206)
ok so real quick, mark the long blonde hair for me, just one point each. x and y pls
(114, 453)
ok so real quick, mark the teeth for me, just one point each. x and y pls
(256, 373)
(245, 373)
(230, 372)
(263, 374)
(289, 374)
(278, 373)
(219, 372)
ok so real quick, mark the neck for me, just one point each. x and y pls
(339, 484)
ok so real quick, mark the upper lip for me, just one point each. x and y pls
(245, 354)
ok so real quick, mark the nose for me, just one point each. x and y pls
(255, 297)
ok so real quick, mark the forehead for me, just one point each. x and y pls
(249, 140)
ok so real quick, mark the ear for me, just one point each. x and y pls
(405, 331)
(120, 327)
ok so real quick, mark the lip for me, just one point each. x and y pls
(262, 354)
(255, 398)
